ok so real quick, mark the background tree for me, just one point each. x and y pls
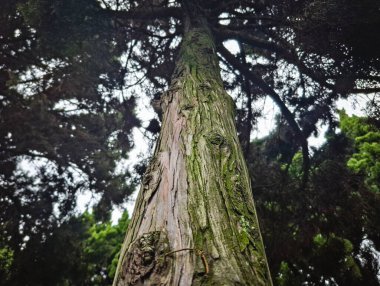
(81, 251)
(327, 234)
(62, 132)
(367, 158)
(102, 249)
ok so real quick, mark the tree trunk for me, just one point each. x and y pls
(194, 221)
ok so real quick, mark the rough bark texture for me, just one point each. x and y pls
(194, 221)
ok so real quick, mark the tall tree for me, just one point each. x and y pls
(195, 221)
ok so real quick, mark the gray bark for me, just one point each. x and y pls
(194, 221)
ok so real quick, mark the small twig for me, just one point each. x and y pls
(204, 260)
(198, 252)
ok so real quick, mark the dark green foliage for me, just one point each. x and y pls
(321, 233)
(366, 159)
(102, 248)
(78, 252)
(62, 127)
(154, 126)
(6, 260)
(338, 27)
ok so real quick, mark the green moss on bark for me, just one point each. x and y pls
(217, 172)
(215, 212)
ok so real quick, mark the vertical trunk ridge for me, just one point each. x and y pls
(194, 221)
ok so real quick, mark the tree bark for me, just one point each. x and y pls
(194, 221)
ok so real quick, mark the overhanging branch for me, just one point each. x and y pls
(146, 13)
(244, 69)
(366, 90)
(285, 53)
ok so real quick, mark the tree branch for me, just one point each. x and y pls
(366, 90)
(146, 13)
(284, 53)
(244, 69)
(225, 34)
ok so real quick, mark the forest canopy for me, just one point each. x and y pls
(72, 74)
